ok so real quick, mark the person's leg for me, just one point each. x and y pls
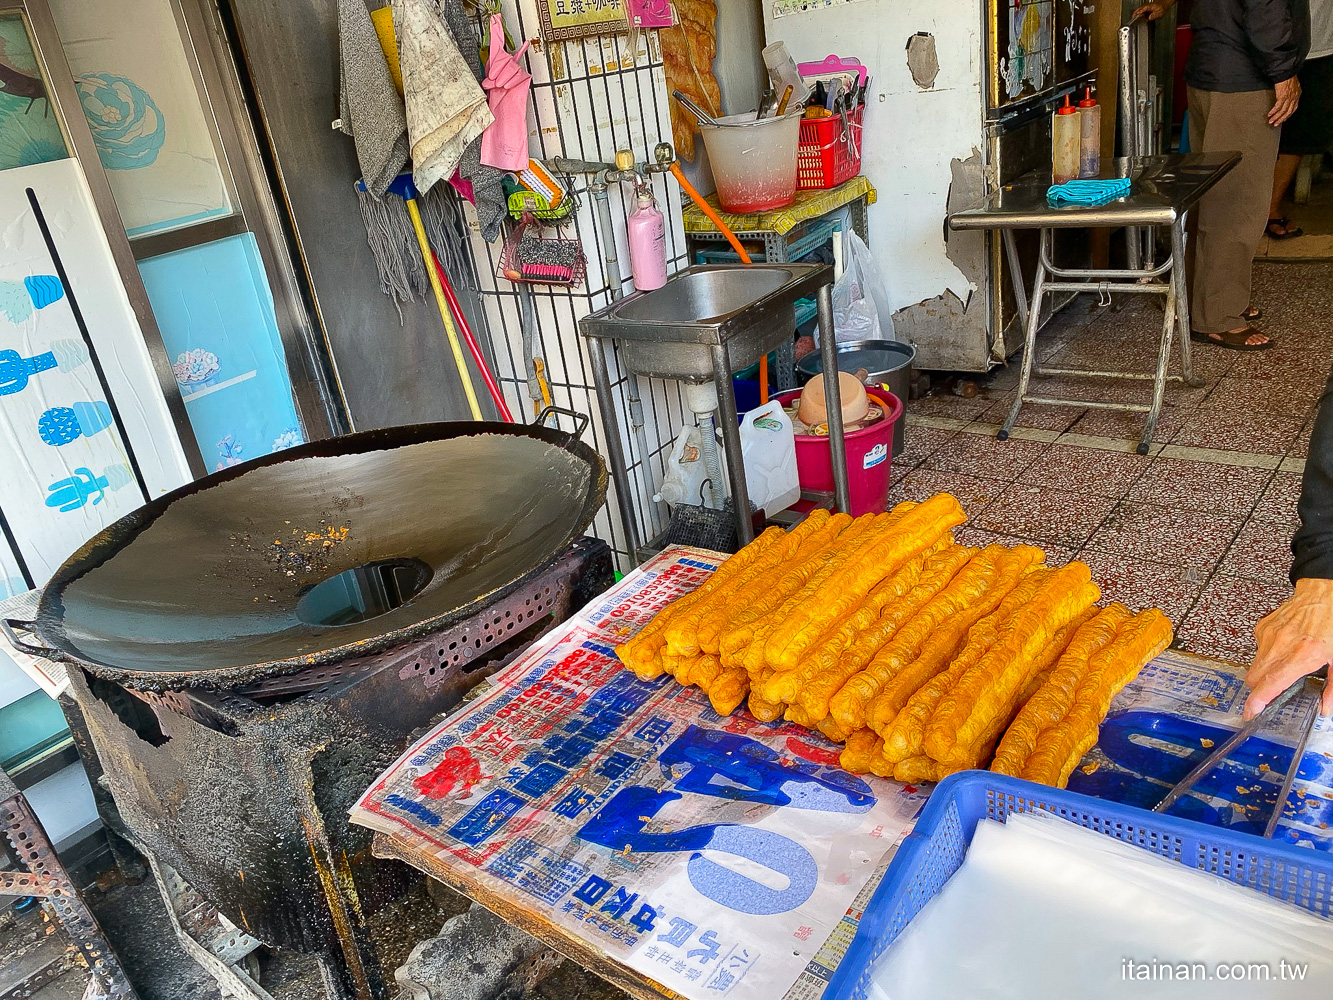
(1232, 216)
(1285, 172)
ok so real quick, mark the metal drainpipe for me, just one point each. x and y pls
(615, 279)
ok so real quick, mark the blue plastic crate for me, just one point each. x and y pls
(935, 849)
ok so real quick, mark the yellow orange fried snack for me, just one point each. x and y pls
(921, 656)
(991, 688)
(1061, 746)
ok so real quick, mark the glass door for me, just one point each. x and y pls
(172, 140)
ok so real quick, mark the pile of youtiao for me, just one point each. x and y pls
(922, 656)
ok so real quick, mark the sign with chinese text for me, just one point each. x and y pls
(711, 854)
(565, 19)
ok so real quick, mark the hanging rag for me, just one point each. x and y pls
(505, 144)
(446, 110)
(370, 109)
(1088, 192)
(478, 183)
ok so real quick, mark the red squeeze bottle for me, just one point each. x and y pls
(1066, 140)
(1090, 136)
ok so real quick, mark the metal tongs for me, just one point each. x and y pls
(1249, 729)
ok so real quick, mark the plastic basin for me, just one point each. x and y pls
(868, 460)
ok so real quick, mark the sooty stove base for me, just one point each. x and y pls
(245, 792)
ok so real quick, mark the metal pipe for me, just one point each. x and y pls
(615, 454)
(1029, 339)
(1128, 131)
(1180, 280)
(1091, 404)
(712, 460)
(615, 281)
(1093, 373)
(731, 441)
(1016, 276)
(828, 353)
(1159, 385)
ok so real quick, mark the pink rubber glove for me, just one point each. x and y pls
(504, 145)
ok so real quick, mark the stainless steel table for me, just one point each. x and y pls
(1164, 190)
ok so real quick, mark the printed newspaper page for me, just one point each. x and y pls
(712, 854)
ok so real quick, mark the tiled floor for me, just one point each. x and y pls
(1199, 527)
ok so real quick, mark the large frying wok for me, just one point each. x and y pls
(219, 582)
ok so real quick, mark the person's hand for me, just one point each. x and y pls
(1295, 640)
(1152, 11)
(1288, 96)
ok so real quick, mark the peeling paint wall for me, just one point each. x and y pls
(951, 331)
(913, 138)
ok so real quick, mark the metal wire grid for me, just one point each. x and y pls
(589, 98)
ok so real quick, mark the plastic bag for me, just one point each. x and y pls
(860, 297)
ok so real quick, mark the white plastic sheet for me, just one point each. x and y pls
(1044, 908)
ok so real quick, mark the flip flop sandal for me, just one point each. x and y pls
(1252, 314)
(1232, 341)
(1286, 233)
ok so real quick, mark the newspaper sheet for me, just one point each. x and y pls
(1178, 708)
(710, 854)
(48, 675)
(634, 817)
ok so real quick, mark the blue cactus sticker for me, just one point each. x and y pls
(15, 370)
(84, 485)
(61, 425)
(18, 299)
(128, 129)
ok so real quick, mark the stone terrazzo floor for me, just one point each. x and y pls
(1200, 526)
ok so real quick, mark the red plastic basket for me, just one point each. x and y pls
(829, 151)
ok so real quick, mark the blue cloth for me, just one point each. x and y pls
(1088, 192)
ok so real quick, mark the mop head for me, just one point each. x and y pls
(393, 241)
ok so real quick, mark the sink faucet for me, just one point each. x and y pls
(604, 175)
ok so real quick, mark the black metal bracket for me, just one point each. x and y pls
(581, 420)
(9, 626)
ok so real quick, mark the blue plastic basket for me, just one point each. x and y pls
(935, 849)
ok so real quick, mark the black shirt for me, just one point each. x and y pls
(1245, 45)
(1313, 544)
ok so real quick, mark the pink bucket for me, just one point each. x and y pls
(867, 457)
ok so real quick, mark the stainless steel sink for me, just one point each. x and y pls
(670, 332)
(706, 322)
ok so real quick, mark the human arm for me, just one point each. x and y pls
(1297, 638)
(1288, 96)
(1153, 11)
(1278, 46)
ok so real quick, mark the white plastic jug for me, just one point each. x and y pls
(768, 446)
(685, 472)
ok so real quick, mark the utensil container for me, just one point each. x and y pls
(753, 160)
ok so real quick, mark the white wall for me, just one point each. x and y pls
(911, 135)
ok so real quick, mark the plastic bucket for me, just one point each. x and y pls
(868, 460)
(887, 361)
(753, 160)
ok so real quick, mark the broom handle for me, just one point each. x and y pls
(450, 331)
(473, 347)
